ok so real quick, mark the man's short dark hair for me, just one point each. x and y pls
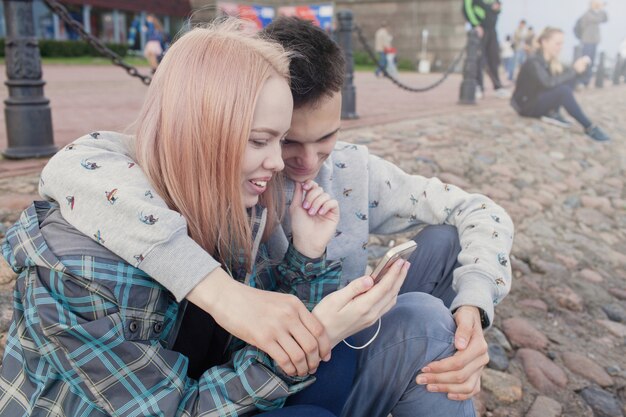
(317, 67)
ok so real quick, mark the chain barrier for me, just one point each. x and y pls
(374, 58)
(62, 12)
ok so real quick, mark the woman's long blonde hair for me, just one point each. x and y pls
(193, 129)
(556, 67)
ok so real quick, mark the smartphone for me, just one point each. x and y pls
(401, 251)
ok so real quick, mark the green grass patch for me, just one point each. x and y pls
(89, 60)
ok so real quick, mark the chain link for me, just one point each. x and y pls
(61, 11)
(374, 58)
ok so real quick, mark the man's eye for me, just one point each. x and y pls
(287, 142)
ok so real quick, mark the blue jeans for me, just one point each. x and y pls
(589, 49)
(509, 66)
(418, 330)
(520, 57)
(299, 411)
(562, 95)
(333, 382)
(382, 62)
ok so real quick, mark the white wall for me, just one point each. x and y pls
(563, 14)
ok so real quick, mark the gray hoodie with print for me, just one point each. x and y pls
(375, 196)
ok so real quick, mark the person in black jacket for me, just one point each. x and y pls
(544, 86)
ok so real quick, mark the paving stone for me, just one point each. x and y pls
(505, 387)
(545, 407)
(615, 312)
(521, 333)
(618, 293)
(567, 298)
(6, 273)
(541, 372)
(587, 368)
(617, 329)
(534, 303)
(591, 276)
(603, 403)
(497, 358)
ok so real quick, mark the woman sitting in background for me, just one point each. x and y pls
(544, 85)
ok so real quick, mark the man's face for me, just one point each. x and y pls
(311, 138)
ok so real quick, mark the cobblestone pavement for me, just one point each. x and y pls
(86, 98)
(559, 338)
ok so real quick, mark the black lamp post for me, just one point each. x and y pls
(27, 112)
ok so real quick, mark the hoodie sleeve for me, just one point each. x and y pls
(485, 229)
(104, 194)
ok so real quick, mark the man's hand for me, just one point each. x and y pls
(314, 219)
(278, 324)
(480, 31)
(459, 375)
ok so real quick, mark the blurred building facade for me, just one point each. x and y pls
(108, 20)
(407, 20)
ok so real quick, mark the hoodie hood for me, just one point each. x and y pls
(25, 246)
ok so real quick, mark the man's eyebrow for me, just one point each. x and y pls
(265, 130)
(328, 135)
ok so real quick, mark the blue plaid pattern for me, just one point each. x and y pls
(92, 337)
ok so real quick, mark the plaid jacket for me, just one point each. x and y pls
(92, 336)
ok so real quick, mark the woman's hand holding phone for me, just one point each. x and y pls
(361, 303)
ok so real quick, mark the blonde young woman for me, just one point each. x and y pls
(94, 336)
(544, 85)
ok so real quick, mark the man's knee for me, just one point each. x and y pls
(442, 240)
(419, 315)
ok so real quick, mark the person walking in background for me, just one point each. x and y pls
(483, 16)
(544, 85)
(382, 42)
(155, 41)
(508, 57)
(519, 38)
(529, 41)
(588, 30)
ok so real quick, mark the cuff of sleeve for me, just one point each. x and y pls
(179, 264)
(310, 268)
(474, 291)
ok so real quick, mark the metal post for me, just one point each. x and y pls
(470, 69)
(87, 18)
(600, 72)
(27, 111)
(142, 30)
(348, 91)
(617, 72)
(56, 29)
(166, 24)
(116, 26)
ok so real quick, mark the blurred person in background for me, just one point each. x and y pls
(519, 38)
(155, 41)
(544, 85)
(508, 57)
(529, 41)
(382, 42)
(483, 16)
(588, 29)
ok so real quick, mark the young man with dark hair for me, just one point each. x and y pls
(375, 197)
